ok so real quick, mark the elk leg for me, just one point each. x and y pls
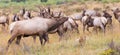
(95, 28)
(45, 36)
(11, 40)
(88, 29)
(110, 23)
(3, 26)
(76, 27)
(84, 25)
(99, 29)
(77, 30)
(7, 22)
(41, 39)
(103, 28)
(18, 40)
(60, 35)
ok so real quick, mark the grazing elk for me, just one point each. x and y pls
(37, 26)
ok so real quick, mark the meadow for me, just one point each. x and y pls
(96, 44)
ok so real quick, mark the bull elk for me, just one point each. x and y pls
(36, 26)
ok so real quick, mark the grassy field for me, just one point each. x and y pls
(96, 44)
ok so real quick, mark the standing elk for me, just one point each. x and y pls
(108, 17)
(96, 22)
(4, 20)
(37, 26)
(70, 24)
(89, 21)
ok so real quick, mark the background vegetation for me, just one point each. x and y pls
(47, 2)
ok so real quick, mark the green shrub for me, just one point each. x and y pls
(107, 52)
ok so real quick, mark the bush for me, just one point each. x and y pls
(108, 52)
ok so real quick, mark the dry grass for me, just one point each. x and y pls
(95, 43)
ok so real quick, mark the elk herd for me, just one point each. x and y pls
(24, 24)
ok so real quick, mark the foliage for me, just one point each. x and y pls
(108, 52)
